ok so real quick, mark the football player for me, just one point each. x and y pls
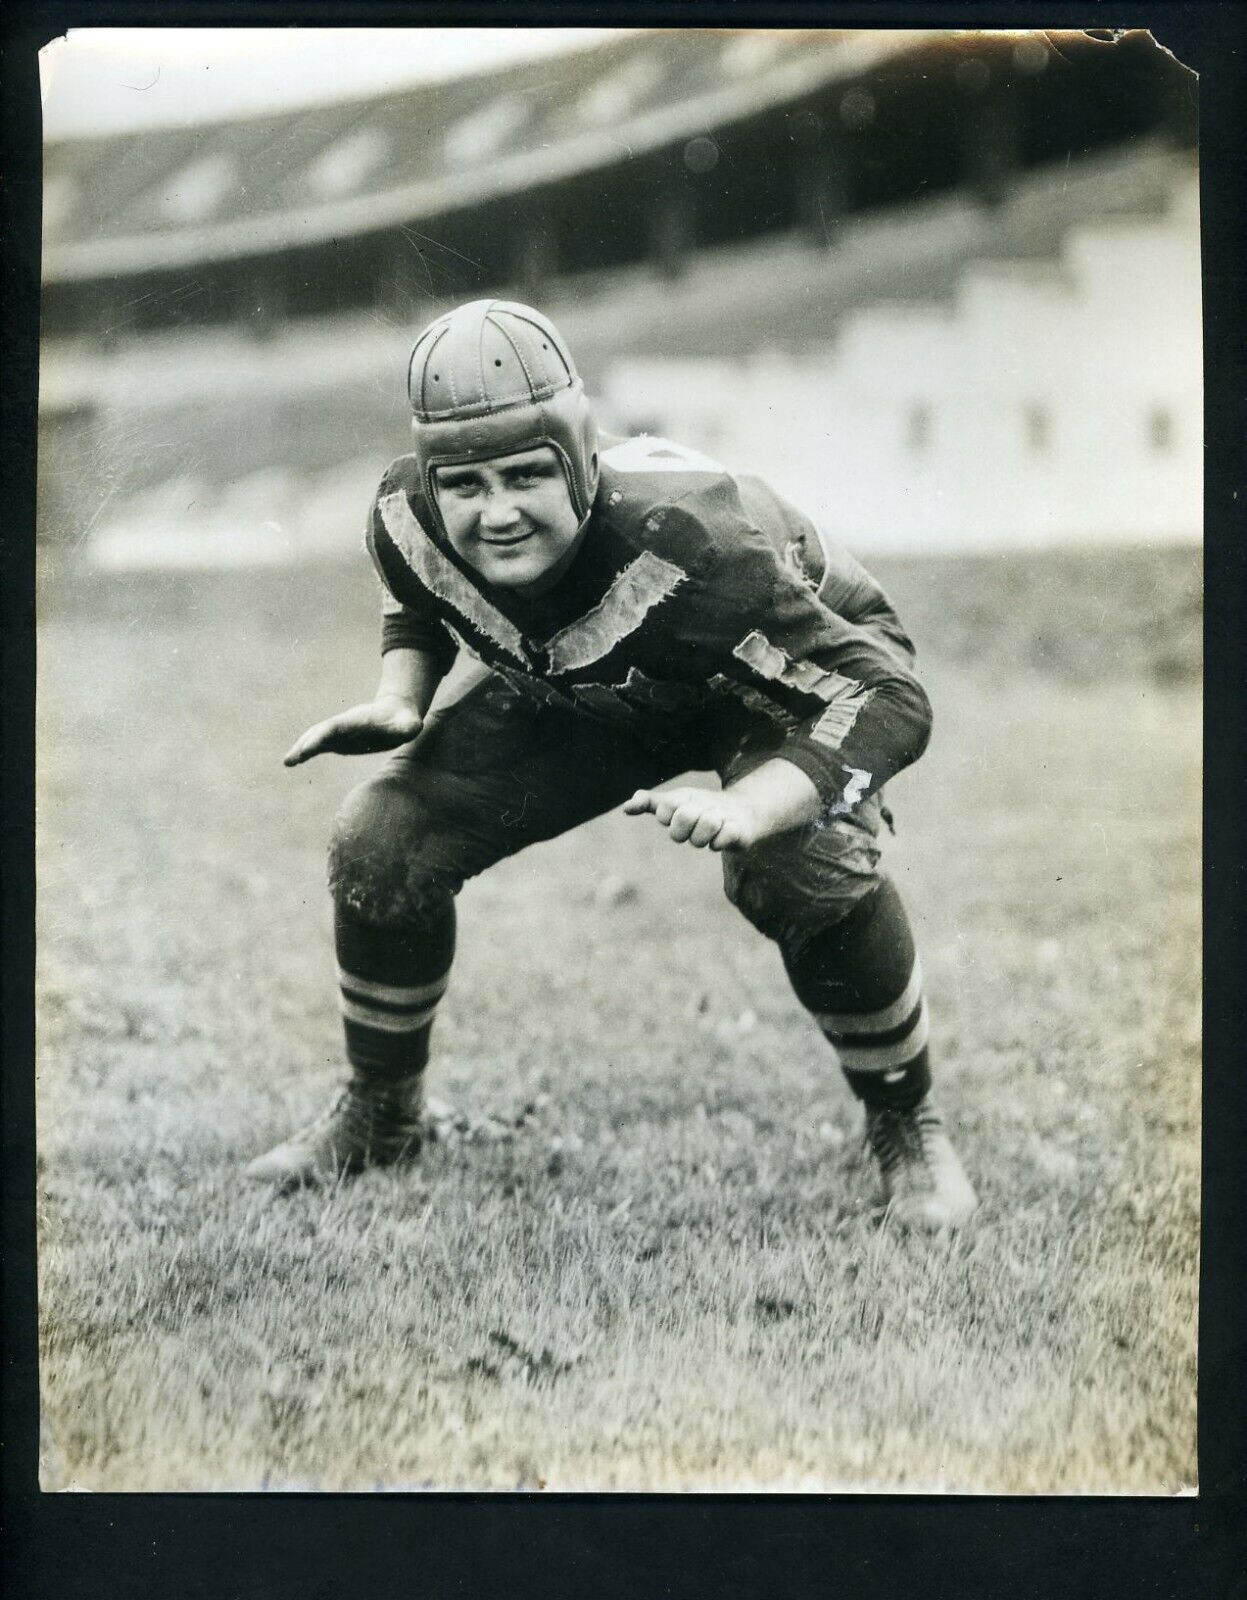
(635, 612)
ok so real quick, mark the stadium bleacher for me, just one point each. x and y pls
(1038, 402)
(941, 373)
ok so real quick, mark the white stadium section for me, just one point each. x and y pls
(1041, 405)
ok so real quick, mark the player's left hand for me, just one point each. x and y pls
(700, 817)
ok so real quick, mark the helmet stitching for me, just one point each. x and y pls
(480, 351)
(450, 366)
(519, 356)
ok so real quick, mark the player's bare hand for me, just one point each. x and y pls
(699, 817)
(382, 724)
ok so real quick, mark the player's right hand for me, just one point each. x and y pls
(382, 724)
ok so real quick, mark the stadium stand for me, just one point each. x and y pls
(816, 215)
(1047, 401)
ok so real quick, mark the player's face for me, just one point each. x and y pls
(511, 518)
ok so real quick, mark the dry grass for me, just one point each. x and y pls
(649, 1261)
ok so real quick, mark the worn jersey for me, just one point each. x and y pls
(692, 586)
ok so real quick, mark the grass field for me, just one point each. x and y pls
(642, 1254)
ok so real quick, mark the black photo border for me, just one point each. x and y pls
(305, 1547)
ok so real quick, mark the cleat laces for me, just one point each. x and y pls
(903, 1140)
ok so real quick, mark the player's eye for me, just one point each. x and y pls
(530, 473)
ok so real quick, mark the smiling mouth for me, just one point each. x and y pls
(507, 539)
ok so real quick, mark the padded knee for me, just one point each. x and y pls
(385, 867)
(795, 884)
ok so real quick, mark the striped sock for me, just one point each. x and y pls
(392, 981)
(883, 1053)
(862, 981)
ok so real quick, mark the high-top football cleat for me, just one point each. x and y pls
(369, 1124)
(924, 1184)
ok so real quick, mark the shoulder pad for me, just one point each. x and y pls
(402, 473)
(668, 495)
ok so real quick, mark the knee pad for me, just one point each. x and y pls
(384, 862)
(796, 884)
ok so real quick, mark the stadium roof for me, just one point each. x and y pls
(147, 201)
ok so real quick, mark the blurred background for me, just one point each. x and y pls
(942, 288)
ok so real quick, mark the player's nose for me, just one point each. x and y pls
(499, 512)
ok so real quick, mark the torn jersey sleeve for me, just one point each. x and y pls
(841, 582)
(410, 623)
(857, 715)
(850, 591)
